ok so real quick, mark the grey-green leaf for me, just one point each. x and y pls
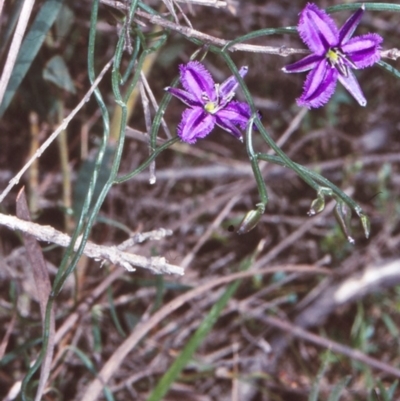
(56, 71)
(64, 21)
(30, 47)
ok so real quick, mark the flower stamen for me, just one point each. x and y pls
(339, 61)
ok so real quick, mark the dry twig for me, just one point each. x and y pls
(112, 254)
(15, 45)
(110, 367)
(329, 344)
(54, 135)
(208, 39)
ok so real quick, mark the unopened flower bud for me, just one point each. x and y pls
(249, 221)
(317, 206)
(366, 224)
(343, 215)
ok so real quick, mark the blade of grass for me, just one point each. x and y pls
(108, 370)
(28, 51)
(315, 387)
(198, 337)
(18, 351)
(89, 365)
(337, 390)
(12, 20)
(195, 341)
(15, 45)
(113, 312)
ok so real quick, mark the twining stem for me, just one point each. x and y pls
(145, 164)
(317, 177)
(262, 190)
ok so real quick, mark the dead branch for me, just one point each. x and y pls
(112, 254)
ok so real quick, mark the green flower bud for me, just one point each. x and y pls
(343, 215)
(366, 224)
(251, 219)
(317, 205)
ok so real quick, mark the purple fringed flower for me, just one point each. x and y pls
(209, 104)
(334, 55)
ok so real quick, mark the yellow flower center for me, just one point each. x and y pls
(210, 107)
(332, 56)
(338, 60)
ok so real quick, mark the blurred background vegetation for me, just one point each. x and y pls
(284, 334)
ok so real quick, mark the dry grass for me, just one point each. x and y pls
(304, 289)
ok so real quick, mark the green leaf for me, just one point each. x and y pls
(30, 47)
(198, 337)
(392, 389)
(64, 21)
(337, 390)
(195, 341)
(89, 366)
(383, 392)
(11, 22)
(56, 71)
(113, 313)
(391, 325)
(315, 387)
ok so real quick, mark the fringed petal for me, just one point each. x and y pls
(319, 86)
(317, 29)
(195, 124)
(364, 50)
(184, 96)
(238, 113)
(196, 79)
(228, 126)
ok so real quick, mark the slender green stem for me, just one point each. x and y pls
(368, 6)
(132, 61)
(63, 269)
(260, 32)
(117, 157)
(132, 9)
(148, 9)
(317, 177)
(43, 350)
(285, 159)
(288, 162)
(262, 190)
(145, 164)
(390, 68)
(159, 115)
